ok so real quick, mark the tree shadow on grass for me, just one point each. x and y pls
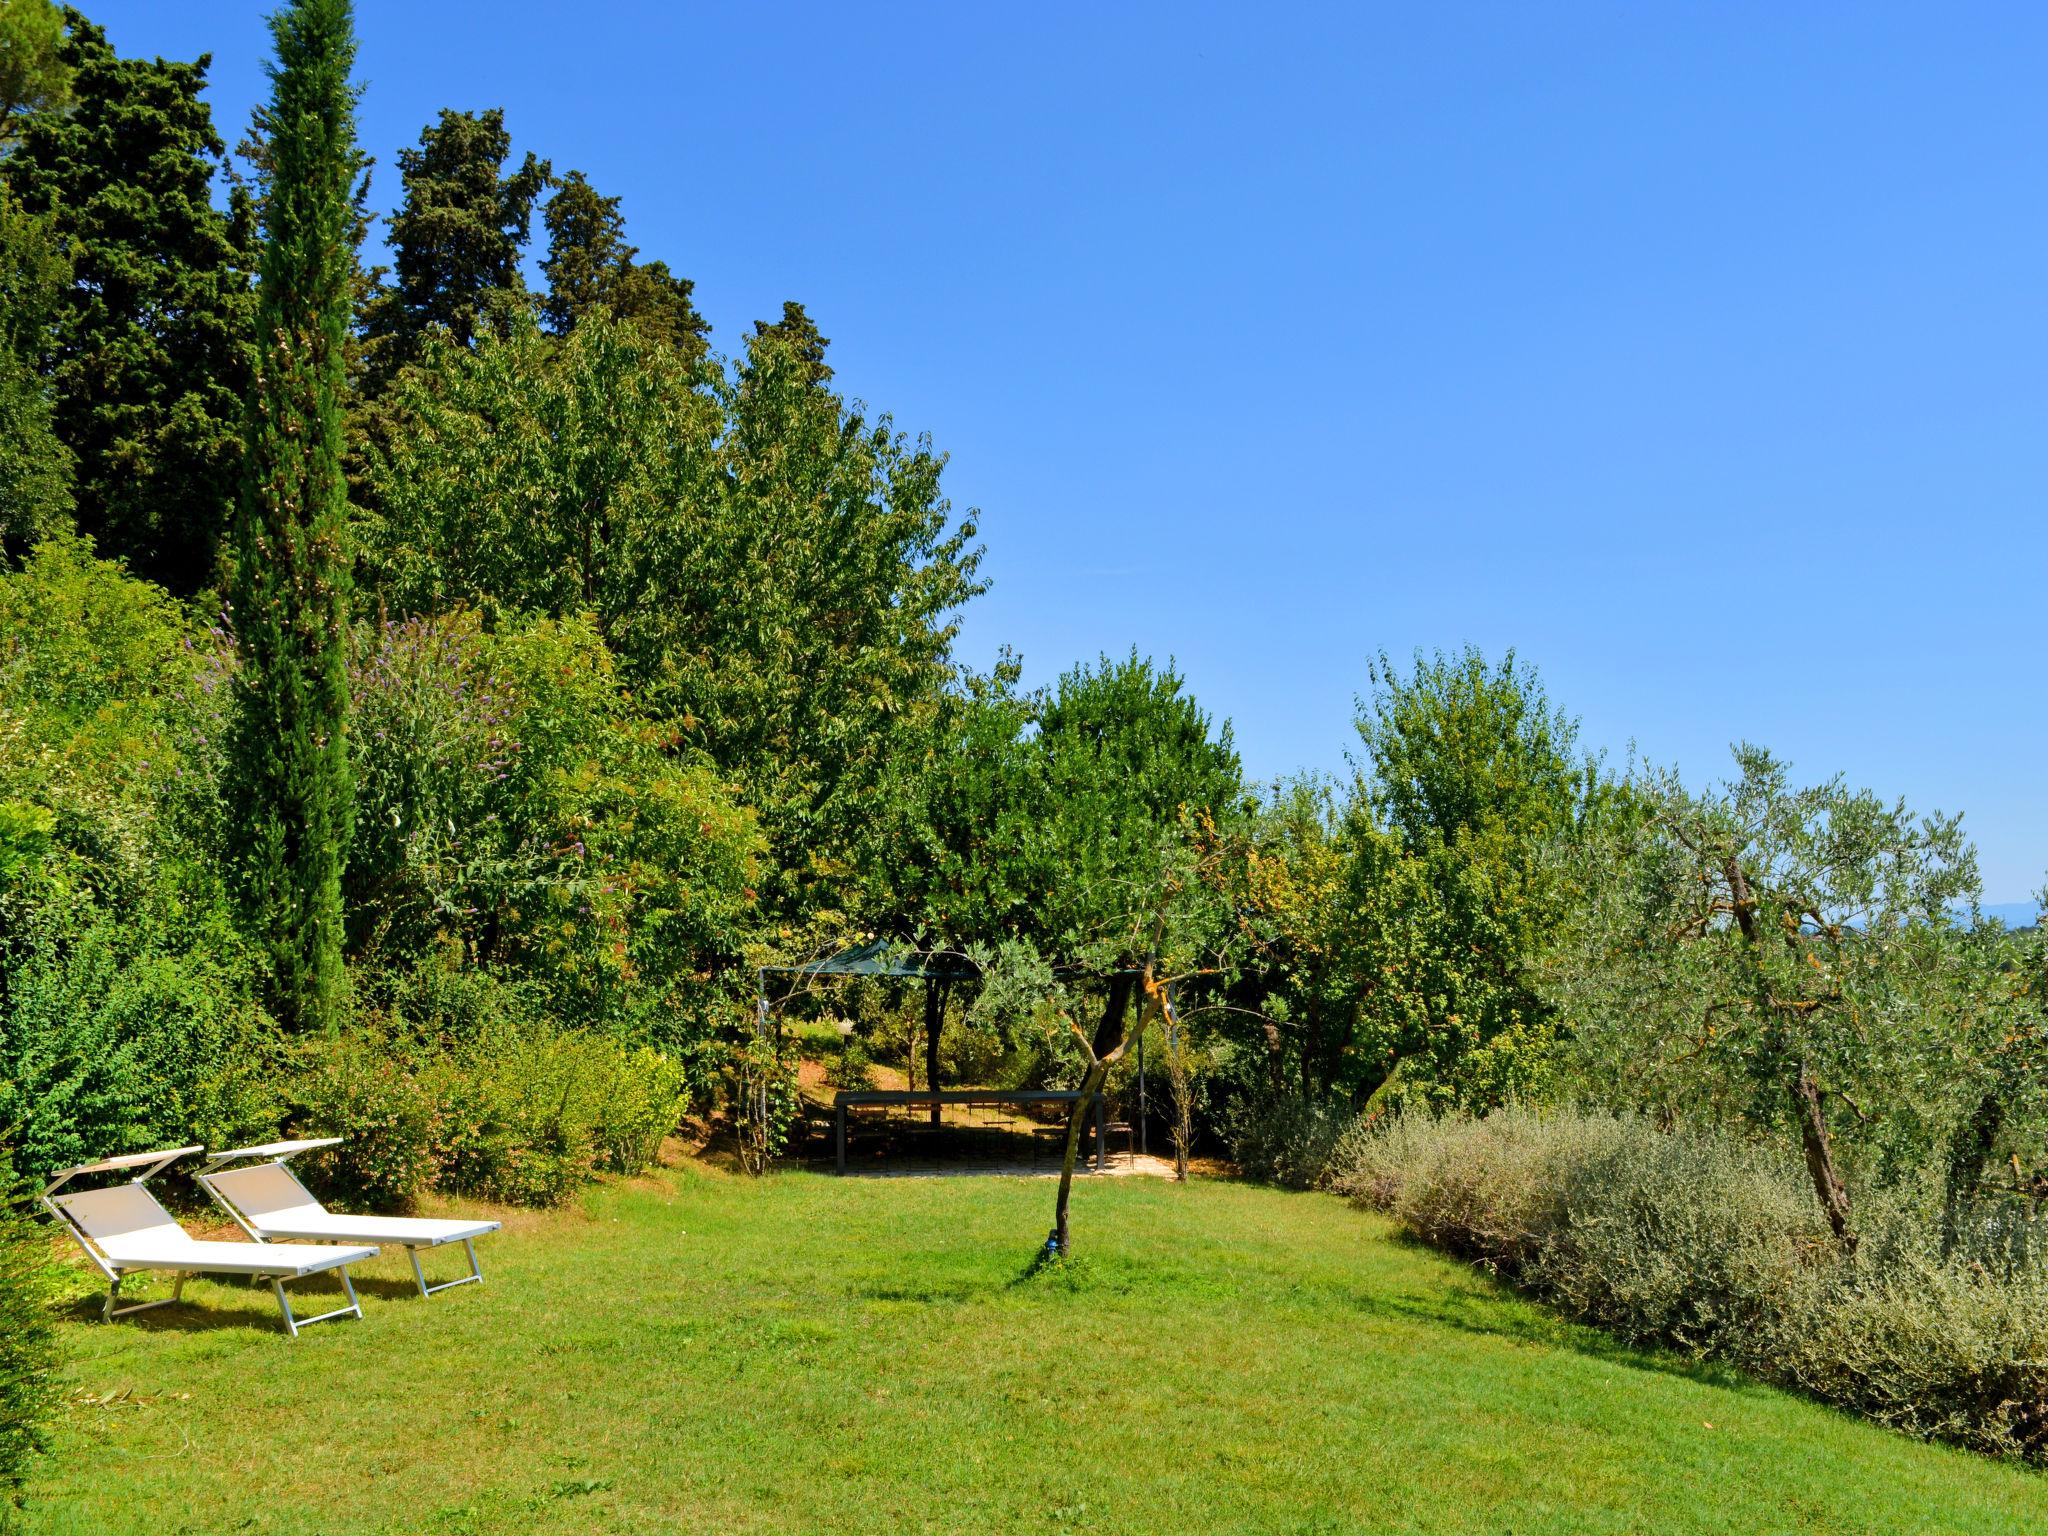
(1481, 1304)
(1044, 1269)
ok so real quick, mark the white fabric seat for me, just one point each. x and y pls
(124, 1229)
(271, 1205)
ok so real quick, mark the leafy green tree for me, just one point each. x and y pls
(35, 467)
(1294, 895)
(33, 76)
(1130, 759)
(148, 362)
(1048, 817)
(961, 865)
(1787, 956)
(589, 265)
(1468, 779)
(836, 529)
(456, 239)
(1175, 928)
(128, 1000)
(553, 478)
(776, 574)
(515, 814)
(291, 587)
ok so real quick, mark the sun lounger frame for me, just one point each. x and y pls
(279, 1153)
(154, 1163)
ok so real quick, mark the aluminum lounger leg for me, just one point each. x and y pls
(292, 1325)
(474, 1277)
(108, 1311)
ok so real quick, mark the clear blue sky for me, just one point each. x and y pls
(1698, 352)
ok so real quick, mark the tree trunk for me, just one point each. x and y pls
(1968, 1155)
(1108, 1046)
(1183, 1128)
(1820, 1157)
(1091, 1085)
(1109, 1033)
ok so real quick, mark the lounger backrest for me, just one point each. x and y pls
(267, 1189)
(126, 1211)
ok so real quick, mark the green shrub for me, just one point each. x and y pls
(523, 1102)
(374, 1089)
(1285, 1138)
(1938, 1350)
(642, 1097)
(513, 808)
(517, 1112)
(850, 1067)
(126, 1028)
(28, 1350)
(1716, 1247)
(131, 1014)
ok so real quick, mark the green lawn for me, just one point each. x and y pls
(696, 1352)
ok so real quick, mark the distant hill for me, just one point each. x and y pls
(2014, 914)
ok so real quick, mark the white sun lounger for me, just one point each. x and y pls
(123, 1229)
(271, 1205)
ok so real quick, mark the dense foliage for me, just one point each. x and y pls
(35, 465)
(568, 672)
(147, 360)
(28, 1387)
(774, 574)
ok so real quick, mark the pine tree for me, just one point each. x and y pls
(35, 468)
(589, 264)
(796, 336)
(32, 73)
(455, 239)
(148, 364)
(292, 573)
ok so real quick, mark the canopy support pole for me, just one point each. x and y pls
(934, 1018)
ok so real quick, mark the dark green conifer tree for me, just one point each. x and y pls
(589, 264)
(292, 569)
(32, 74)
(795, 335)
(455, 240)
(148, 363)
(35, 467)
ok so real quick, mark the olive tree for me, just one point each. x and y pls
(1788, 956)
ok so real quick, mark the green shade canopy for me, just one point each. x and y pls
(880, 957)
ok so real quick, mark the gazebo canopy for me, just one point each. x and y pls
(881, 957)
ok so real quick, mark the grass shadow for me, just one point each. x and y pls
(244, 1306)
(1484, 1305)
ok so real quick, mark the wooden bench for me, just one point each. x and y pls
(924, 1098)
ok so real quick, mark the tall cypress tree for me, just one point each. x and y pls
(291, 583)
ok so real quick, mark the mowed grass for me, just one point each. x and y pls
(695, 1351)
